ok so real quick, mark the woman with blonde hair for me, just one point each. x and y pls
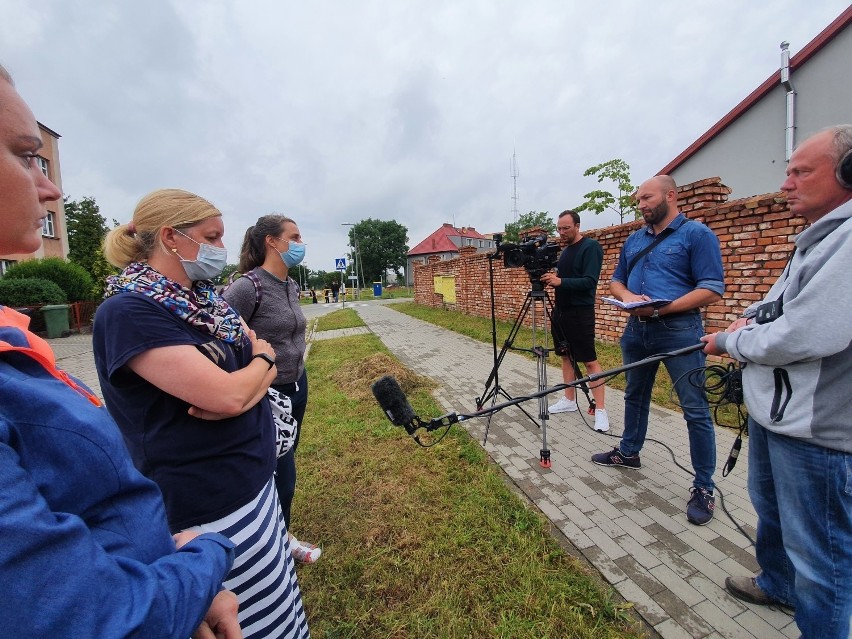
(186, 382)
(268, 298)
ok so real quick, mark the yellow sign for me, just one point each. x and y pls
(445, 285)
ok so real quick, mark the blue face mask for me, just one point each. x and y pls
(209, 262)
(294, 255)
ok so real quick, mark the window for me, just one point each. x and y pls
(42, 164)
(48, 229)
(5, 264)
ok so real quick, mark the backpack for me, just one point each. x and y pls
(258, 289)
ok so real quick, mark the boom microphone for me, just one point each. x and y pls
(395, 404)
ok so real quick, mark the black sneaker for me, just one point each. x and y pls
(699, 508)
(615, 458)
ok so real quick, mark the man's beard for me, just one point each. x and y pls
(657, 214)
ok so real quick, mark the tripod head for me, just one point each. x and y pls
(536, 285)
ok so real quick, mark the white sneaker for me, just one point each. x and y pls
(303, 552)
(564, 405)
(601, 420)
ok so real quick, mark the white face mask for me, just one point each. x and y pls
(209, 262)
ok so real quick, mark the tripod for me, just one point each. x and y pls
(537, 300)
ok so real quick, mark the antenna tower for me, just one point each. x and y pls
(514, 172)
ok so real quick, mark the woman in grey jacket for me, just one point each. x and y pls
(268, 299)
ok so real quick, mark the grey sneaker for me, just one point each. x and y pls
(564, 405)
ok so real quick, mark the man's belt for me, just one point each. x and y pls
(643, 320)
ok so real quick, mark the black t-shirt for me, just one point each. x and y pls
(565, 268)
(205, 469)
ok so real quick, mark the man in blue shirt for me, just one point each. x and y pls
(683, 265)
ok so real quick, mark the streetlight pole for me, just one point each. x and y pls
(355, 257)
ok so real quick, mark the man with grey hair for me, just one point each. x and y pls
(797, 344)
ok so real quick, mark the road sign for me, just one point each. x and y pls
(340, 264)
(353, 277)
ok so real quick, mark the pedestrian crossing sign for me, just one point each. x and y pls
(340, 264)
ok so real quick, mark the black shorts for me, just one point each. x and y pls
(575, 328)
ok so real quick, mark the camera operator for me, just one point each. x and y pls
(575, 283)
(796, 383)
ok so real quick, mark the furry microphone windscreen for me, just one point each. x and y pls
(393, 401)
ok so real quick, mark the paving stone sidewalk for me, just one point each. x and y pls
(629, 524)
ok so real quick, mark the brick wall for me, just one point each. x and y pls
(755, 234)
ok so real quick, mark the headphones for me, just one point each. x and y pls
(844, 170)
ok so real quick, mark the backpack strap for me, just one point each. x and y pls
(258, 292)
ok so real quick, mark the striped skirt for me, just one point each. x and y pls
(263, 575)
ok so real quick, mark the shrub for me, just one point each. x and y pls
(71, 278)
(30, 291)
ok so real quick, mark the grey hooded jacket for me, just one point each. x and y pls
(798, 373)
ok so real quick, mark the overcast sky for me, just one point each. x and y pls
(336, 111)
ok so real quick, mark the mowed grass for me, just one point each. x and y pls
(343, 318)
(421, 542)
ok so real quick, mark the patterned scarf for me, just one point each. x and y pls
(200, 307)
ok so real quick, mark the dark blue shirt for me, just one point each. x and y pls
(687, 259)
(206, 469)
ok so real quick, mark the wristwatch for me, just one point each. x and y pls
(266, 357)
(656, 313)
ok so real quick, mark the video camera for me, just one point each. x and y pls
(536, 255)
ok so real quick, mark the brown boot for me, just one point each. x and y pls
(746, 589)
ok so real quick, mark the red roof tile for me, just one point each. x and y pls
(440, 242)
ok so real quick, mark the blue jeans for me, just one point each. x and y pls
(285, 470)
(802, 494)
(644, 339)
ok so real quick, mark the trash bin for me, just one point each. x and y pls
(377, 289)
(55, 319)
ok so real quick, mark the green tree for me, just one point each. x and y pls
(617, 171)
(226, 273)
(526, 221)
(321, 279)
(382, 246)
(86, 231)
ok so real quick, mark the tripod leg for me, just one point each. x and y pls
(493, 377)
(541, 353)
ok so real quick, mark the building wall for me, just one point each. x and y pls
(412, 262)
(755, 235)
(749, 154)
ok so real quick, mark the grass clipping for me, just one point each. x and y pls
(356, 378)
